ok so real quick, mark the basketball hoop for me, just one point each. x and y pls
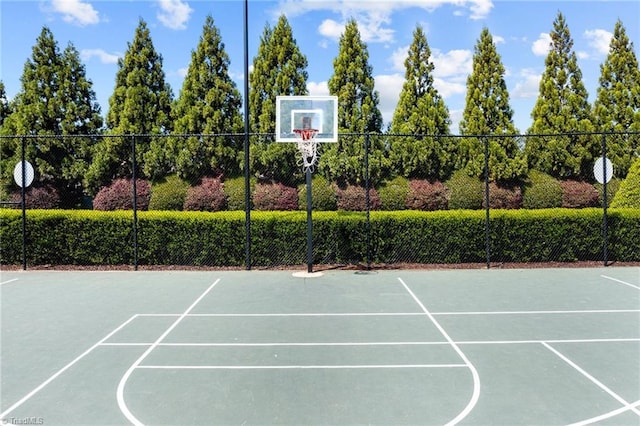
(308, 147)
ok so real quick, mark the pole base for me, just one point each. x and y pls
(305, 274)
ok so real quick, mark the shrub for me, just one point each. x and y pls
(354, 198)
(393, 194)
(424, 195)
(465, 192)
(577, 195)
(45, 197)
(504, 197)
(234, 191)
(118, 195)
(207, 196)
(323, 195)
(612, 188)
(169, 195)
(629, 193)
(275, 196)
(541, 191)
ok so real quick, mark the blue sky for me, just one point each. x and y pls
(100, 31)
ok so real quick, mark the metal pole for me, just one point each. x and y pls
(605, 226)
(247, 181)
(309, 223)
(486, 200)
(24, 211)
(135, 203)
(367, 199)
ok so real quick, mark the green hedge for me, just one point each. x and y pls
(58, 237)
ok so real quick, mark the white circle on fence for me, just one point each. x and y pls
(28, 175)
(598, 171)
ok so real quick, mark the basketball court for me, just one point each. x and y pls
(476, 347)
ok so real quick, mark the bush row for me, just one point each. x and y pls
(460, 192)
(87, 237)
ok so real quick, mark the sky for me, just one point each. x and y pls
(102, 30)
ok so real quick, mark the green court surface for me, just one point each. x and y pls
(469, 347)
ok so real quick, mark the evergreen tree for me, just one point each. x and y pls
(487, 112)
(617, 106)
(562, 107)
(56, 99)
(420, 111)
(209, 103)
(5, 107)
(352, 81)
(279, 69)
(140, 104)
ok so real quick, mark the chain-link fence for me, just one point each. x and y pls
(376, 199)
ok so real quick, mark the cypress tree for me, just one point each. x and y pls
(352, 81)
(279, 68)
(56, 99)
(617, 106)
(140, 104)
(562, 107)
(420, 111)
(487, 112)
(210, 103)
(5, 107)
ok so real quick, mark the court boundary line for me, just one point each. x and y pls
(122, 405)
(597, 382)
(63, 369)
(8, 281)
(474, 373)
(298, 367)
(621, 282)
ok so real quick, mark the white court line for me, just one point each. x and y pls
(294, 344)
(401, 314)
(593, 379)
(63, 369)
(606, 415)
(297, 367)
(123, 381)
(620, 281)
(8, 281)
(476, 378)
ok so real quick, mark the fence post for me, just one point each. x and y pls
(247, 181)
(367, 198)
(135, 203)
(24, 210)
(605, 225)
(486, 201)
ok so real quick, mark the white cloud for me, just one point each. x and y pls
(330, 29)
(599, 40)
(498, 39)
(373, 17)
(454, 63)
(450, 87)
(388, 87)
(174, 14)
(398, 57)
(76, 12)
(104, 57)
(528, 86)
(542, 45)
(318, 89)
(582, 54)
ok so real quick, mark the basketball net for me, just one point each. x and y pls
(308, 147)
